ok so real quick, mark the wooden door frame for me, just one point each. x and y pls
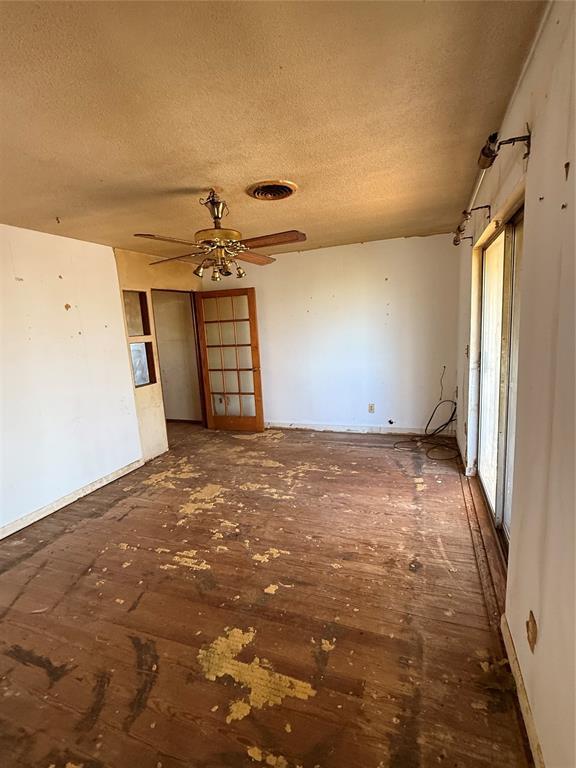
(240, 423)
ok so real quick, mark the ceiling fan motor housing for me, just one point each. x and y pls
(217, 235)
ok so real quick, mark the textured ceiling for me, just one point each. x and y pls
(117, 116)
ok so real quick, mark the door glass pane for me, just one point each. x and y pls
(246, 381)
(244, 357)
(225, 308)
(227, 331)
(212, 333)
(241, 307)
(218, 405)
(229, 357)
(232, 405)
(243, 332)
(230, 381)
(248, 405)
(214, 358)
(490, 352)
(216, 381)
(210, 307)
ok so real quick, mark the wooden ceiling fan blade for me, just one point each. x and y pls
(255, 258)
(198, 260)
(164, 238)
(278, 238)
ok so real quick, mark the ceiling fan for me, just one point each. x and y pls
(219, 248)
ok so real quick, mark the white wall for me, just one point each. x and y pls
(541, 575)
(356, 324)
(176, 340)
(68, 416)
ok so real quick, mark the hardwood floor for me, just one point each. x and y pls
(284, 599)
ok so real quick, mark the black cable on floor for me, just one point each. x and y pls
(432, 438)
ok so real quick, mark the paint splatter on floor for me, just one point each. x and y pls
(350, 549)
(188, 559)
(270, 554)
(266, 687)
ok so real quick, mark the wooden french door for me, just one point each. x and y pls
(228, 340)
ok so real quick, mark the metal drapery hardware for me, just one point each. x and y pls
(486, 158)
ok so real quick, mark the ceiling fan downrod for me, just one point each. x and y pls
(218, 208)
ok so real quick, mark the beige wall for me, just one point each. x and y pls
(136, 273)
(357, 324)
(541, 577)
(70, 422)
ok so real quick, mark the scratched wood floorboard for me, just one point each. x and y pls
(287, 599)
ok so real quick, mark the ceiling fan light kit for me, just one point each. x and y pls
(219, 247)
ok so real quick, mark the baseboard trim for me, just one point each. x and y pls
(362, 429)
(54, 506)
(522, 695)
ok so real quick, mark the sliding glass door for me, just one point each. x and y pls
(498, 369)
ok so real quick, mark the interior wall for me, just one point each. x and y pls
(176, 340)
(541, 575)
(68, 418)
(344, 327)
(136, 273)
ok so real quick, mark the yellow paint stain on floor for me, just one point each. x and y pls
(188, 559)
(226, 527)
(266, 490)
(183, 470)
(266, 687)
(419, 483)
(254, 460)
(200, 500)
(259, 756)
(238, 710)
(127, 547)
(269, 435)
(271, 589)
(239, 455)
(270, 554)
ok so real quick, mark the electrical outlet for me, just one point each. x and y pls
(371, 408)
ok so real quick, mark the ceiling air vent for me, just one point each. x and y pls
(272, 189)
